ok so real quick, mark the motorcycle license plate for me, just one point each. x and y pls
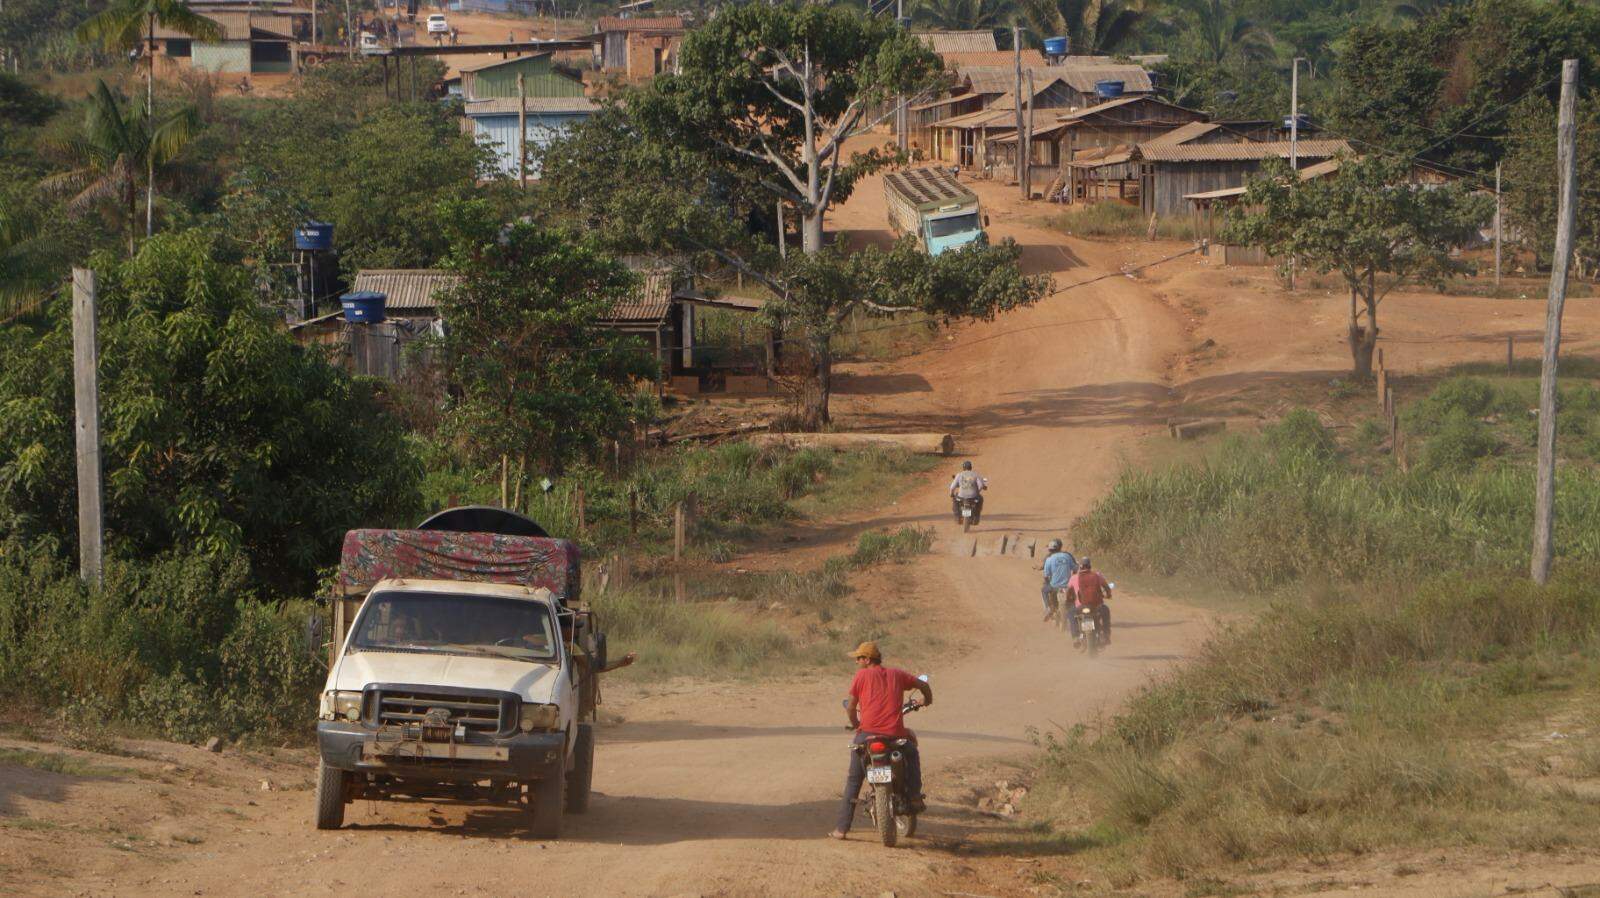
(880, 774)
(966, 512)
(1088, 626)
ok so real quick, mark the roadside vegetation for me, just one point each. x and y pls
(1407, 685)
(1110, 219)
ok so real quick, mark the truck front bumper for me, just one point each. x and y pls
(523, 756)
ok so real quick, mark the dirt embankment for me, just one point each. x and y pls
(728, 788)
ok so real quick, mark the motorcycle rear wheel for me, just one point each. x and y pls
(883, 815)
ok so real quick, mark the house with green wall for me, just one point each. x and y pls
(498, 79)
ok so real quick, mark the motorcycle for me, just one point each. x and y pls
(883, 759)
(1090, 635)
(970, 512)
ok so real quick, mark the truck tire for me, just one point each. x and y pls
(544, 806)
(330, 796)
(581, 775)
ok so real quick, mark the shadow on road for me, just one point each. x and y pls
(635, 820)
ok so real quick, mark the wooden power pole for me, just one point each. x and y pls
(522, 131)
(86, 396)
(1544, 507)
(1016, 51)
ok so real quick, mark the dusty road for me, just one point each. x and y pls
(730, 789)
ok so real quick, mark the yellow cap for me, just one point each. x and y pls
(867, 650)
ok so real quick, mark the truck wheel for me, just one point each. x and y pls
(581, 775)
(330, 796)
(544, 806)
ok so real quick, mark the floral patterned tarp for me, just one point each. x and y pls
(373, 555)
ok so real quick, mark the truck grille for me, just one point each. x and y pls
(478, 713)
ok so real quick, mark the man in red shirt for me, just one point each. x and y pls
(1090, 590)
(874, 709)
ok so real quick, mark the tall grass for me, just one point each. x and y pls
(735, 491)
(1262, 513)
(1370, 705)
(729, 622)
(1113, 219)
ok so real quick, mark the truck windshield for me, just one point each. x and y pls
(955, 224)
(456, 625)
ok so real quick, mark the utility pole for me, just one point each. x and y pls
(783, 249)
(86, 403)
(901, 119)
(1025, 144)
(1497, 224)
(1016, 51)
(1294, 116)
(522, 131)
(1544, 506)
(1294, 141)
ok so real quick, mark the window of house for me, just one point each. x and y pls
(178, 47)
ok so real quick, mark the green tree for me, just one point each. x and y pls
(778, 90)
(540, 382)
(115, 147)
(702, 210)
(124, 25)
(1221, 33)
(1365, 220)
(1094, 26)
(960, 15)
(219, 433)
(1531, 182)
(1444, 85)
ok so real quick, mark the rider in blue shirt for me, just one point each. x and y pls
(1058, 567)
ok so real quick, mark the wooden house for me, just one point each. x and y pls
(1169, 173)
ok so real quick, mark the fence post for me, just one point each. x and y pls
(677, 532)
(1383, 387)
(1510, 354)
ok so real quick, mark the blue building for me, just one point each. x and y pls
(494, 122)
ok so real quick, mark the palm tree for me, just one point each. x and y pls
(115, 146)
(127, 23)
(1223, 32)
(1094, 26)
(961, 15)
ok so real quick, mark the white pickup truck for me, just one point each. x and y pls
(467, 674)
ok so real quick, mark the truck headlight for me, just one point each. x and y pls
(539, 717)
(339, 704)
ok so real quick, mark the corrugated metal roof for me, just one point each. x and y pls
(495, 63)
(641, 23)
(1183, 134)
(1081, 76)
(997, 116)
(992, 59)
(651, 300)
(406, 288)
(511, 106)
(1236, 152)
(958, 41)
(235, 26)
(935, 104)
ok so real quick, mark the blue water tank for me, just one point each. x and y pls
(316, 236)
(1288, 122)
(1055, 46)
(1108, 90)
(365, 307)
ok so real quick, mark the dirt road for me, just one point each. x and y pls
(729, 790)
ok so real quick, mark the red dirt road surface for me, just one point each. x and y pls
(729, 789)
